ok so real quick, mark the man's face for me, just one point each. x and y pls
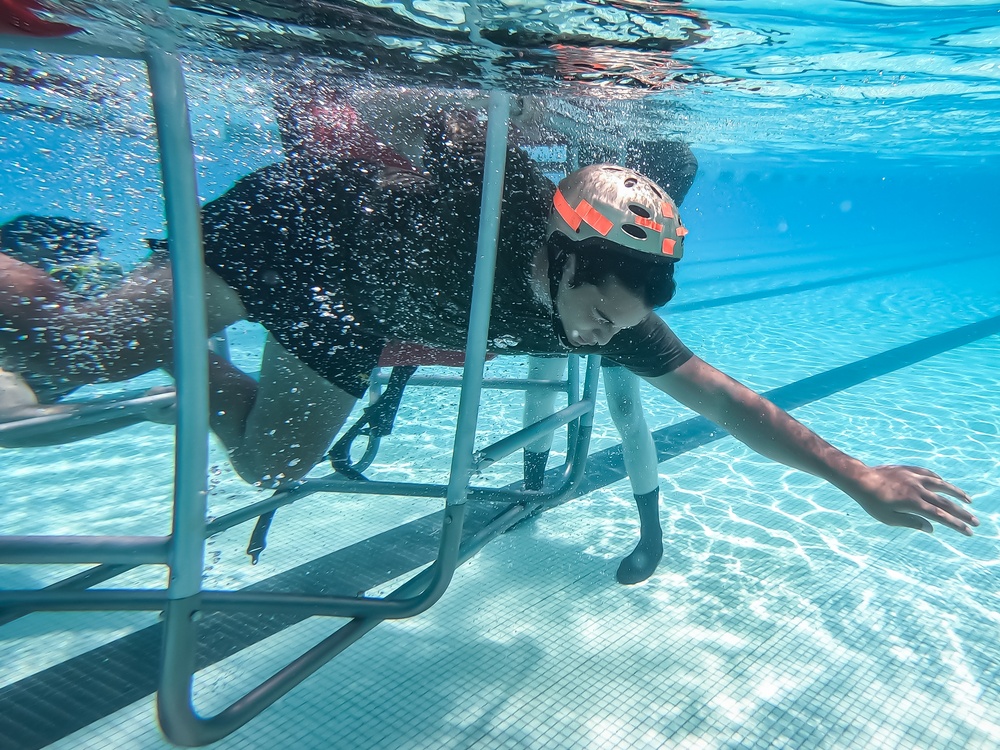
(591, 315)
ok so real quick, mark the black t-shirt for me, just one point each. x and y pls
(336, 259)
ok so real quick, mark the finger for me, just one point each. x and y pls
(939, 485)
(949, 507)
(920, 470)
(941, 515)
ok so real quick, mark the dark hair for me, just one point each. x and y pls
(49, 239)
(597, 260)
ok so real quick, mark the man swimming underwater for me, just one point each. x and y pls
(335, 259)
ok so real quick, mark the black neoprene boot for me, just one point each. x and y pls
(642, 561)
(534, 469)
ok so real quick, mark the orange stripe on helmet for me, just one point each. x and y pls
(668, 210)
(601, 224)
(642, 221)
(682, 231)
(566, 211)
(668, 246)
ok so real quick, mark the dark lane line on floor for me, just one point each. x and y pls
(57, 701)
(809, 286)
(806, 262)
(751, 255)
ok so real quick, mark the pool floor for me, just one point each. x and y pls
(781, 615)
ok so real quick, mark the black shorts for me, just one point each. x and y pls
(316, 326)
(283, 242)
(342, 355)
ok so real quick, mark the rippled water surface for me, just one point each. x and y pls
(896, 79)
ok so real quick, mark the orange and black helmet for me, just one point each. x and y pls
(621, 206)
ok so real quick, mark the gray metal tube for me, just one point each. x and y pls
(99, 599)
(523, 504)
(173, 130)
(512, 384)
(576, 461)
(502, 448)
(482, 296)
(573, 376)
(462, 457)
(66, 46)
(138, 550)
(443, 568)
(179, 727)
(177, 716)
(87, 414)
(179, 724)
(182, 726)
(175, 710)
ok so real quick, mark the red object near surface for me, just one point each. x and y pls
(19, 17)
(320, 124)
(337, 129)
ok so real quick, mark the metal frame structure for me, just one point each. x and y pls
(183, 551)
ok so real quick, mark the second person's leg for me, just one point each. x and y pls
(639, 452)
(289, 418)
(538, 404)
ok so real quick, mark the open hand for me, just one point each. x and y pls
(912, 496)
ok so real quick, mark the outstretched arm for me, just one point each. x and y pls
(895, 495)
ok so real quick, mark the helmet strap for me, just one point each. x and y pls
(557, 263)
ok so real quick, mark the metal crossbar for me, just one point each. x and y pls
(183, 550)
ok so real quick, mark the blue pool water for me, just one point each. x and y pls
(843, 249)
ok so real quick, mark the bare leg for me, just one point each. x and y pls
(538, 404)
(640, 462)
(20, 408)
(286, 423)
(127, 332)
(277, 429)
(16, 396)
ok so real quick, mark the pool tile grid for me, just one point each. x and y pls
(580, 662)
